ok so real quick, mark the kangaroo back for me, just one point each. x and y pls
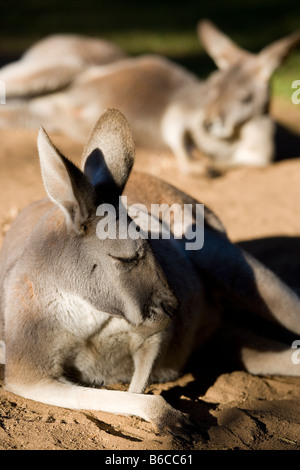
(54, 62)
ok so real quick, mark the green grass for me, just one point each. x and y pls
(284, 77)
(173, 44)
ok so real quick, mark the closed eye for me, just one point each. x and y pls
(126, 260)
(130, 259)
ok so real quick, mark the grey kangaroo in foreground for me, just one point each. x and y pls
(168, 107)
(78, 308)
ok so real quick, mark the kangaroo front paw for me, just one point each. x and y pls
(165, 418)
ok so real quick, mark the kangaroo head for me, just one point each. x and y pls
(115, 274)
(239, 90)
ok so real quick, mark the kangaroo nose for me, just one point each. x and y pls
(218, 127)
(207, 126)
(214, 123)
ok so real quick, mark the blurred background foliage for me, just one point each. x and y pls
(162, 26)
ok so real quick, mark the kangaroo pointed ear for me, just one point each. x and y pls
(108, 156)
(65, 184)
(220, 47)
(272, 56)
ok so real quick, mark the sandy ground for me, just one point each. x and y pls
(233, 409)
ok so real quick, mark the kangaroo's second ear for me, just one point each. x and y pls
(272, 56)
(65, 184)
(108, 156)
(220, 47)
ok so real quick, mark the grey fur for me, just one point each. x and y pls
(104, 311)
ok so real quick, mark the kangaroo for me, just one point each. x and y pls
(168, 107)
(54, 62)
(77, 308)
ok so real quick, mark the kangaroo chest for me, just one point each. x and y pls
(107, 356)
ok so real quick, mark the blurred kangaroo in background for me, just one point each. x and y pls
(53, 63)
(76, 308)
(168, 107)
